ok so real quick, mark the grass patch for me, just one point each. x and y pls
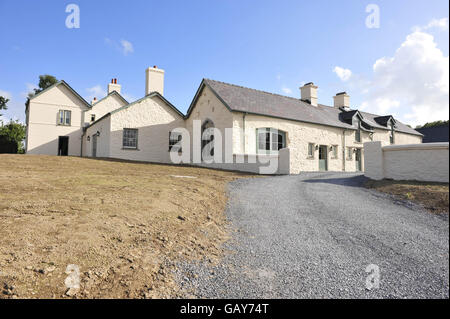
(434, 197)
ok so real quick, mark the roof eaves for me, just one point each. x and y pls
(110, 94)
(66, 85)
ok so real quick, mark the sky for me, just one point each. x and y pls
(391, 57)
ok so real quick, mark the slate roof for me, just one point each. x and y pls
(241, 99)
(435, 134)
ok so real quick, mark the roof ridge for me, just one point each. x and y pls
(276, 94)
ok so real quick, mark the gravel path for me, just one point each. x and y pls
(313, 235)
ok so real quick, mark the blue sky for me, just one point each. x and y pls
(269, 45)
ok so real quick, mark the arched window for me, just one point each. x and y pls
(269, 140)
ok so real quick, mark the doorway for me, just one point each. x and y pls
(63, 146)
(358, 160)
(323, 158)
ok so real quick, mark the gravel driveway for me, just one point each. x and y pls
(313, 235)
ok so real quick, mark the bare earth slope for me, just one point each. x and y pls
(125, 225)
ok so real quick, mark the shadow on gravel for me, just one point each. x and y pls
(352, 181)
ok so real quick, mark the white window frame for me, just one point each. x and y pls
(128, 147)
(311, 147)
(271, 132)
(63, 116)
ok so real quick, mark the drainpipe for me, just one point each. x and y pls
(343, 150)
(243, 127)
(82, 138)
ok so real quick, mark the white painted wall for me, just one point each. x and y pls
(421, 162)
(154, 119)
(43, 130)
(103, 140)
(108, 104)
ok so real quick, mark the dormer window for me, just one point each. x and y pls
(92, 117)
(391, 133)
(358, 131)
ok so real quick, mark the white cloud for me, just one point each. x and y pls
(286, 90)
(127, 47)
(441, 24)
(124, 46)
(343, 74)
(29, 89)
(413, 84)
(96, 91)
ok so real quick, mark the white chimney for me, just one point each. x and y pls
(154, 80)
(309, 93)
(342, 100)
(94, 101)
(113, 86)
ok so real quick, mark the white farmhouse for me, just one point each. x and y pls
(263, 125)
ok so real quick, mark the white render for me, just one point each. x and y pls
(42, 121)
(421, 162)
(154, 118)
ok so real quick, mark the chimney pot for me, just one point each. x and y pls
(113, 86)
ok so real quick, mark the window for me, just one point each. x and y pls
(358, 132)
(270, 140)
(92, 117)
(391, 134)
(311, 150)
(130, 138)
(335, 151)
(349, 153)
(64, 117)
(174, 138)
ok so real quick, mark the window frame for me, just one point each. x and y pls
(126, 147)
(92, 117)
(312, 146)
(62, 117)
(271, 131)
(391, 134)
(358, 132)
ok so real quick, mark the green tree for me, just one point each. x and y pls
(3, 102)
(433, 124)
(14, 132)
(45, 81)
